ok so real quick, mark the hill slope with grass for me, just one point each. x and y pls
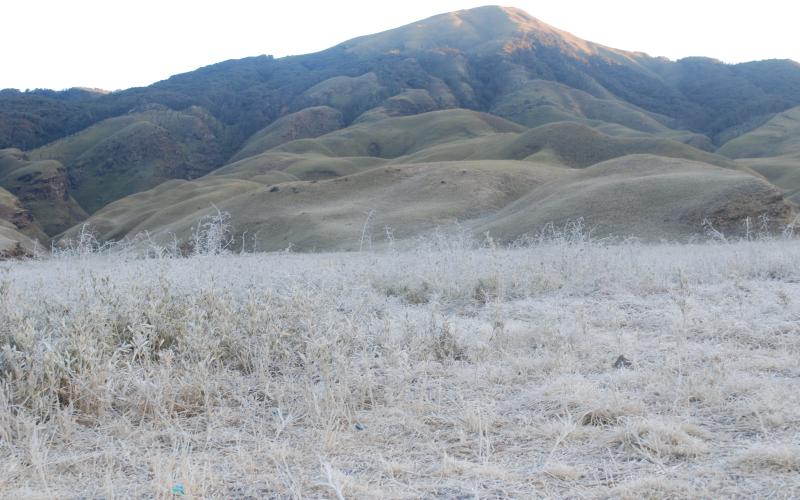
(17, 227)
(137, 151)
(13, 244)
(645, 196)
(780, 136)
(772, 150)
(454, 135)
(42, 188)
(642, 195)
(309, 215)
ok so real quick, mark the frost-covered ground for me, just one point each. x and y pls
(441, 372)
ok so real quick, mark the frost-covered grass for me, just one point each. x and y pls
(438, 372)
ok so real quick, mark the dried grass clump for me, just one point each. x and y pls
(662, 439)
(656, 488)
(776, 458)
(563, 472)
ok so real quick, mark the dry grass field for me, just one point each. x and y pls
(446, 370)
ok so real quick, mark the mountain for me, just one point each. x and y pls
(492, 91)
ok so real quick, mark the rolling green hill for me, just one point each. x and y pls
(330, 214)
(645, 196)
(783, 171)
(308, 123)
(137, 151)
(780, 136)
(17, 217)
(419, 172)
(17, 227)
(563, 143)
(41, 186)
(773, 150)
(451, 135)
(13, 244)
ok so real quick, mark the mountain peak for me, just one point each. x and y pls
(487, 29)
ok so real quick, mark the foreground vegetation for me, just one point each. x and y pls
(446, 371)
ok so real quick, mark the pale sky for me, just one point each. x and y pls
(115, 44)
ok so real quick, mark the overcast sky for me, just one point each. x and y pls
(114, 44)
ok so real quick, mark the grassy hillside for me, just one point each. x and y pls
(452, 131)
(647, 197)
(772, 150)
(329, 214)
(563, 143)
(15, 216)
(175, 203)
(352, 95)
(137, 151)
(43, 190)
(416, 173)
(395, 137)
(467, 135)
(783, 171)
(13, 244)
(17, 227)
(308, 123)
(780, 136)
(406, 103)
(274, 167)
(538, 102)
(452, 135)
